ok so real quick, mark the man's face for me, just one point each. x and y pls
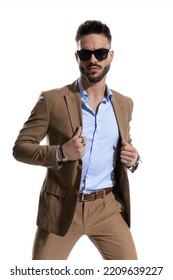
(94, 69)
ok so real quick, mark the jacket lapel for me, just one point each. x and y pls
(119, 112)
(73, 103)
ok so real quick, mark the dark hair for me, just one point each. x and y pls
(93, 27)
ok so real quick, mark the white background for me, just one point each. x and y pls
(37, 53)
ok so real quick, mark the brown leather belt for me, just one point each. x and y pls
(94, 195)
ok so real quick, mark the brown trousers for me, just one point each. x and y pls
(101, 221)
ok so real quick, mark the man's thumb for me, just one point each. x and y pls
(78, 132)
(123, 142)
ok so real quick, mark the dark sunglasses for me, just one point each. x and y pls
(100, 54)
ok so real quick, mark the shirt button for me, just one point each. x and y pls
(79, 167)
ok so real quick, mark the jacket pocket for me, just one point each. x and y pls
(51, 193)
(51, 187)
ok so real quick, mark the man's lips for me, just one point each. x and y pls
(93, 68)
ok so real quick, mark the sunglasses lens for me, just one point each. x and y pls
(100, 54)
(84, 55)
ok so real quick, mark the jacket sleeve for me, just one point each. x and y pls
(27, 147)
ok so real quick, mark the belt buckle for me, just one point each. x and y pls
(82, 197)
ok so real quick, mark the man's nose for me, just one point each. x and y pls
(93, 58)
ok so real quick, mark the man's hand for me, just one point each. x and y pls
(74, 149)
(128, 154)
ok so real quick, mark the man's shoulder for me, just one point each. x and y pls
(120, 96)
(64, 90)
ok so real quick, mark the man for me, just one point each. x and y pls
(89, 149)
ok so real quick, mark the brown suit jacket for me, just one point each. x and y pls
(57, 114)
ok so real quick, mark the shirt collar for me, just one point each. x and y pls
(84, 95)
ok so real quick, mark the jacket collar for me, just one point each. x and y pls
(73, 102)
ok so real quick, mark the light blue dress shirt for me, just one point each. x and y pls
(102, 134)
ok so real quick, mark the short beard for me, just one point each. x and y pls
(92, 79)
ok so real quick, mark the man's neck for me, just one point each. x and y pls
(95, 91)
